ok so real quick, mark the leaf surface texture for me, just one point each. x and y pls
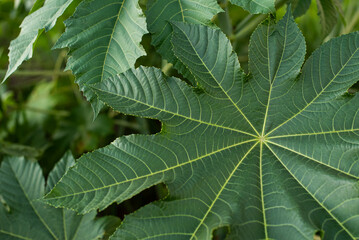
(25, 217)
(44, 18)
(272, 152)
(115, 29)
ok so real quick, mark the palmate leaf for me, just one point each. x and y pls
(21, 185)
(104, 39)
(272, 155)
(43, 18)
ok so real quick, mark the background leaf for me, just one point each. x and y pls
(161, 12)
(328, 14)
(256, 6)
(300, 7)
(43, 18)
(22, 184)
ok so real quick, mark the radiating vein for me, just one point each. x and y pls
(319, 202)
(153, 173)
(318, 95)
(218, 83)
(315, 160)
(221, 190)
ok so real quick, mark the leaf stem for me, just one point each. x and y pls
(224, 20)
(45, 73)
(249, 23)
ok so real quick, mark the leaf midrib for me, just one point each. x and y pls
(313, 197)
(313, 159)
(153, 173)
(276, 73)
(314, 133)
(14, 235)
(221, 190)
(175, 114)
(32, 206)
(316, 97)
(219, 85)
(111, 37)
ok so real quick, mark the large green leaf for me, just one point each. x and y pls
(43, 18)
(256, 6)
(24, 217)
(272, 154)
(104, 39)
(161, 12)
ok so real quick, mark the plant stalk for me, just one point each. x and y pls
(46, 73)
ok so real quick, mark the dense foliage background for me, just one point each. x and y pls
(43, 113)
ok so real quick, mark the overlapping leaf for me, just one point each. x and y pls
(265, 154)
(256, 6)
(300, 7)
(104, 39)
(161, 12)
(24, 217)
(327, 10)
(43, 18)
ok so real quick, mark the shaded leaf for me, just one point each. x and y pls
(21, 185)
(256, 6)
(161, 12)
(13, 149)
(265, 154)
(300, 7)
(328, 14)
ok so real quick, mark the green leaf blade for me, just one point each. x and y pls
(276, 54)
(22, 184)
(44, 18)
(116, 29)
(218, 74)
(146, 92)
(327, 11)
(256, 6)
(330, 190)
(326, 75)
(293, 169)
(161, 12)
(300, 7)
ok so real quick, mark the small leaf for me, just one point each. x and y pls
(44, 18)
(256, 6)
